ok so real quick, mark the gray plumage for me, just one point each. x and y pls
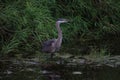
(54, 45)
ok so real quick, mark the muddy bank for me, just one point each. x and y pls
(65, 67)
(66, 60)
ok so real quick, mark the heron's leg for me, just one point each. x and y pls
(52, 55)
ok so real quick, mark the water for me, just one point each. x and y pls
(52, 71)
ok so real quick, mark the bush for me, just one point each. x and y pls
(24, 25)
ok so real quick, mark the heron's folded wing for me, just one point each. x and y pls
(49, 42)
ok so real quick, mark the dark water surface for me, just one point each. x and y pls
(57, 72)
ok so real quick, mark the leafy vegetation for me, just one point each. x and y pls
(24, 25)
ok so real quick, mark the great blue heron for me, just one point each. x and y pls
(54, 45)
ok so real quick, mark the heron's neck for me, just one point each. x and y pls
(59, 39)
(59, 30)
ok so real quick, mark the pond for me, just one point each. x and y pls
(29, 70)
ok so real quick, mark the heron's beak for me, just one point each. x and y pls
(66, 20)
(69, 20)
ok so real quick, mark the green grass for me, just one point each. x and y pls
(24, 25)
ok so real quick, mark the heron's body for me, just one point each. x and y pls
(48, 46)
(54, 45)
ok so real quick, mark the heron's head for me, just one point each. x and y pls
(62, 20)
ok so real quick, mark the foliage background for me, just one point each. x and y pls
(25, 24)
